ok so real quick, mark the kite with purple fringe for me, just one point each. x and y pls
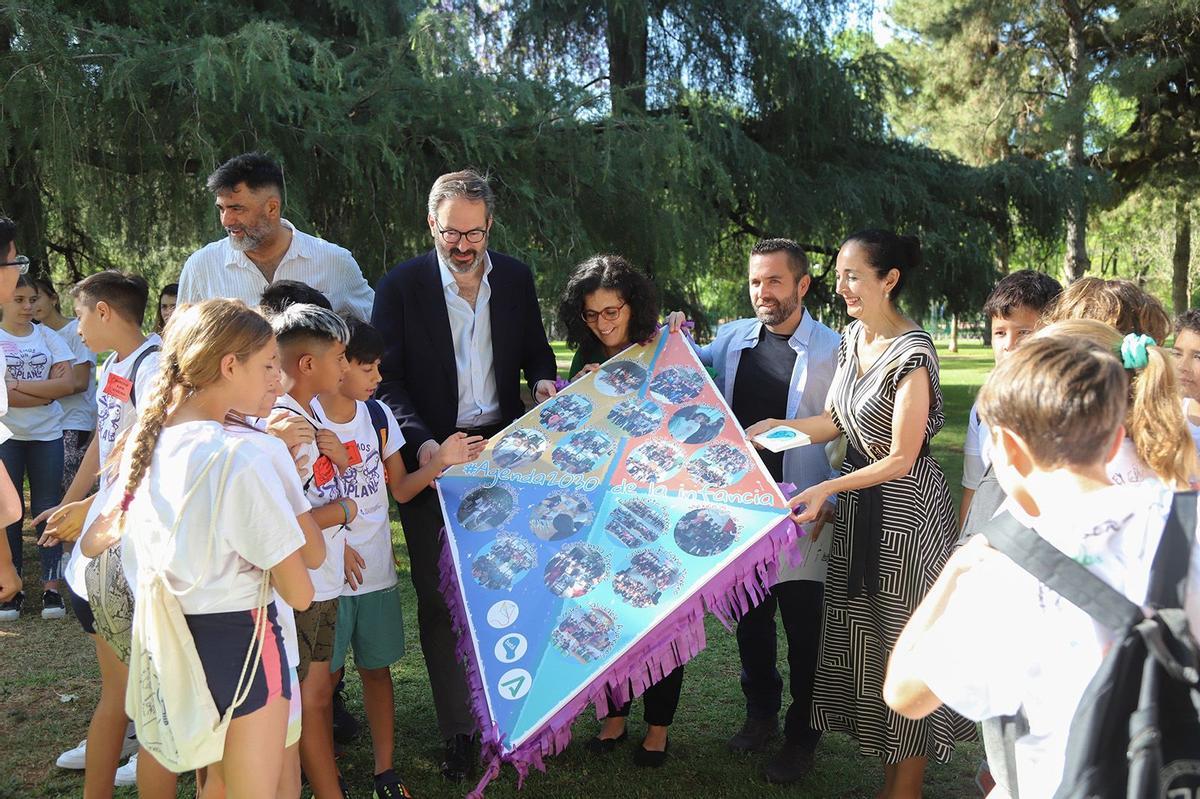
(584, 546)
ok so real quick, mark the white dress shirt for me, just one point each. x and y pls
(471, 330)
(218, 270)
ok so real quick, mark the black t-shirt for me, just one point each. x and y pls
(760, 390)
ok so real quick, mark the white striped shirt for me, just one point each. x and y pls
(218, 270)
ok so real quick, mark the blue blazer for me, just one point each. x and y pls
(420, 377)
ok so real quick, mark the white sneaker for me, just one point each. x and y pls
(127, 774)
(75, 759)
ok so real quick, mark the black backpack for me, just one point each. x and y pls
(1136, 732)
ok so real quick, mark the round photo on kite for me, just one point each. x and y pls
(696, 424)
(565, 413)
(561, 515)
(586, 634)
(654, 461)
(719, 465)
(705, 531)
(676, 385)
(636, 522)
(575, 570)
(636, 417)
(649, 574)
(519, 448)
(618, 378)
(486, 508)
(582, 451)
(502, 562)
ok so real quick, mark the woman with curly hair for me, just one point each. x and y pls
(609, 305)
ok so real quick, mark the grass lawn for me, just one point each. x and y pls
(49, 685)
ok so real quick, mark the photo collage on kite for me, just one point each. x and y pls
(588, 520)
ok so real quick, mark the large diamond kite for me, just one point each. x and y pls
(584, 545)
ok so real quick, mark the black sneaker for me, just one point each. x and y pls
(52, 605)
(755, 734)
(389, 786)
(11, 610)
(457, 761)
(345, 727)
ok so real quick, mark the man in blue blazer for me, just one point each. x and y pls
(779, 365)
(461, 324)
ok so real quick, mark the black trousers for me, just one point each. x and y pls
(421, 519)
(659, 700)
(799, 604)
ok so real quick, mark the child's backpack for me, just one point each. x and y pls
(380, 425)
(1136, 732)
(167, 695)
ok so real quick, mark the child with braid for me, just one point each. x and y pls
(187, 487)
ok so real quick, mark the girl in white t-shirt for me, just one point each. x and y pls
(37, 365)
(79, 407)
(218, 508)
(253, 430)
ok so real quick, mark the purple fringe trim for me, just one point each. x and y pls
(677, 639)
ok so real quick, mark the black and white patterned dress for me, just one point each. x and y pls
(918, 524)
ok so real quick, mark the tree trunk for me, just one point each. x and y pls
(954, 332)
(1182, 255)
(1076, 263)
(626, 36)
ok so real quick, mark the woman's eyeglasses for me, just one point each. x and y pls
(610, 313)
(21, 261)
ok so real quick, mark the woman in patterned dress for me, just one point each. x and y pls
(895, 520)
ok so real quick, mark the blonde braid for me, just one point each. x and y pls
(197, 338)
(149, 425)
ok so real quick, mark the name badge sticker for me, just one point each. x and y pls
(118, 387)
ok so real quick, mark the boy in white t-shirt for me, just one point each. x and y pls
(312, 350)
(989, 639)
(110, 306)
(369, 617)
(1013, 310)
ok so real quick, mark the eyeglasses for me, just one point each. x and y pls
(21, 261)
(452, 236)
(610, 313)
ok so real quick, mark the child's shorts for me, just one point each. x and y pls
(293, 728)
(82, 611)
(222, 640)
(374, 625)
(315, 632)
(111, 601)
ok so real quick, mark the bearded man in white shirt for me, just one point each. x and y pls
(262, 247)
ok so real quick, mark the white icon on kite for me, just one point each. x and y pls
(503, 614)
(511, 648)
(515, 683)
